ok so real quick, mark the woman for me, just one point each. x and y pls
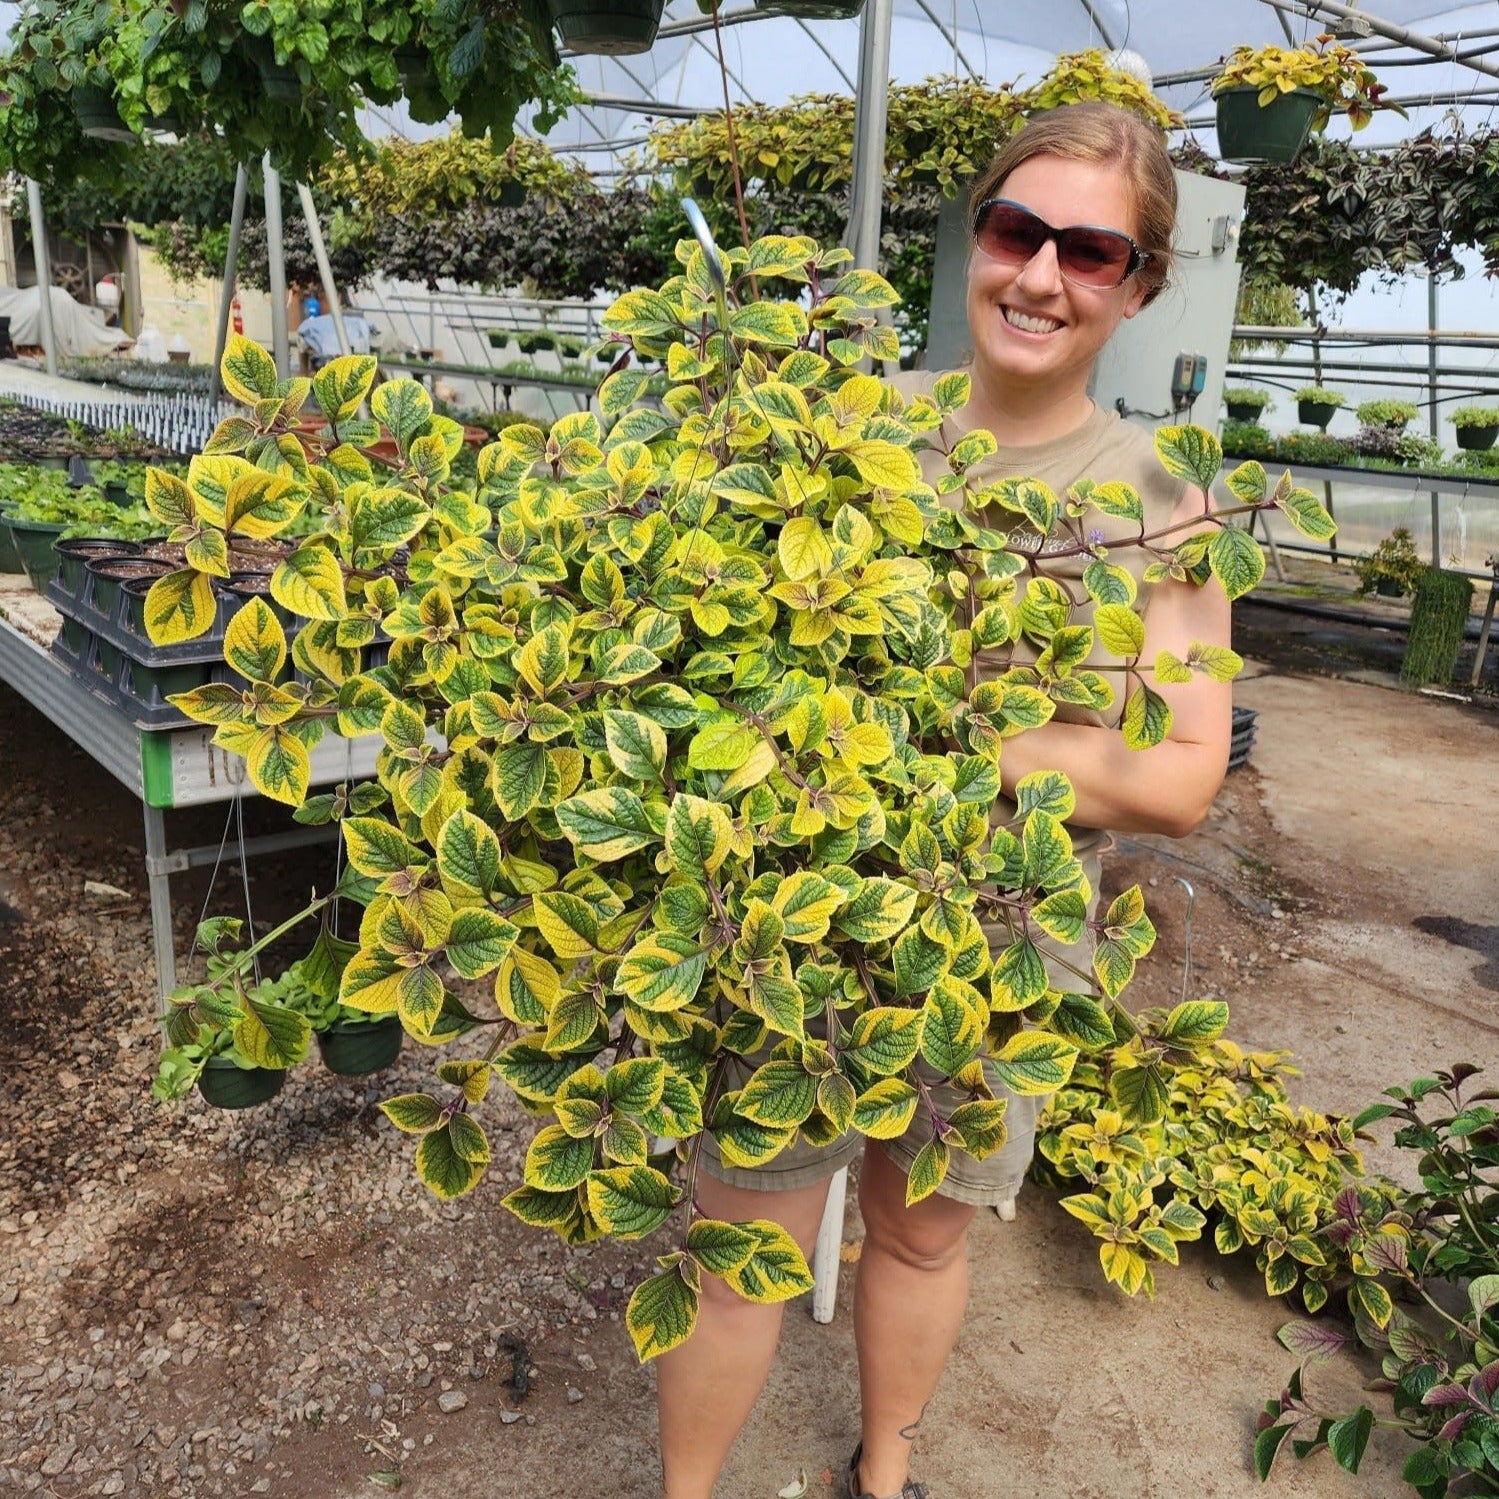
(1072, 233)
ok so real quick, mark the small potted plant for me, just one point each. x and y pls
(352, 1042)
(1392, 568)
(1271, 98)
(1477, 427)
(1245, 404)
(1316, 405)
(1387, 413)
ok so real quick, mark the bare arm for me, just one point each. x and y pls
(1167, 789)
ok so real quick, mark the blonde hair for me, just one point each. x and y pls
(1107, 136)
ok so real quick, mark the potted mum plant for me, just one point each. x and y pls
(1245, 404)
(678, 754)
(1271, 98)
(1316, 405)
(1477, 427)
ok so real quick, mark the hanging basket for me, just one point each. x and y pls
(1249, 131)
(1315, 413)
(1248, 411)
(369, 1046)
(625, 27)
(227, 1086)
(97, 117)
(1477, 439)
(812, 10)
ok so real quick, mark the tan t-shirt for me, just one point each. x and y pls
(1104, 448)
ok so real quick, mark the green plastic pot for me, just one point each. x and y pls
(227, 1086)
(110, 574)
(33, 543)
(97, 116)
(1249, 131)
(1477, 439)
(352, 1050)
(1243, 412)
(624, 27)
(1316, 413)
(153, 684)
(809, 10)
(10, 557)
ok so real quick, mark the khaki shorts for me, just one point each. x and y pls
(985, 1183)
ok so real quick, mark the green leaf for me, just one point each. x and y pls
(311, 583)
(1140, 1092)
(606, 824)
(519, 779)
(376, 848)
(1147, 718)
(928, 1170)
(775, 1271)
(1190, 453)
(443, 1168)
(180, 606)
(413, 1113)
(879, 911)
(478, 941)
(953, 1026)
(558, 1162)
(884, 1040)
(403, 406)
(779, 1094)
(248, 372)
(721, 1248)
(661, 1314)
(270, 1035)
(662, 972)
(1196, 1022)
(636, 745)
(884, 1111)
(630, 1201)
(254, 643)
(1347, 1439)
(468, 854)
(1034, 1063)
(343, 383)
(1236, 560)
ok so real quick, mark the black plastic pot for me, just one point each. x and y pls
(1250, 131)
(247, 586)
(367, 1046)
(620, 28)
(110, 573)
(1477, 439)
(75, 552)
(1241, 412)
(226, 1086)
(10, 558)
(806, 10)
(1316, 413)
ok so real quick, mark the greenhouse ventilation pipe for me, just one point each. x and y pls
(1316, 9)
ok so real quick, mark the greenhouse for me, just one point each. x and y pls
(747, 748)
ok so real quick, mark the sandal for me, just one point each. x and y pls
(908, 1491)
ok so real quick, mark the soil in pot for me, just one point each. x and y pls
(110, 573)
(226, 1086)
(75, 551)
(159, 549)
(1477, 439)
(366, 1046)
(253, 585)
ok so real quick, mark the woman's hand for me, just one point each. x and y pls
(1169, 788)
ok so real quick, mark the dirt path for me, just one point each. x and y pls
(200, 1305)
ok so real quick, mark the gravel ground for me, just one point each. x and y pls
(190, 1296)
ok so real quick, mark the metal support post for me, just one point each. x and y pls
(1431, 409)
(871, 111)
(325, 270)
(825, 1254)
(231, 276)
(1488, 623)
(275, 245)
(1311, 309)
(159, 883)
(43, 260)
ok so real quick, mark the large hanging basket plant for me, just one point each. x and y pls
(97, 116)
(1271, 98)
(618, 29)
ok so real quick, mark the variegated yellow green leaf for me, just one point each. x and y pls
(928, 1171)
(885, 1109)
(662, 1314)
(248, 372)
(310, 582)
(662, 972)
(413, 1113)
(180, 606)
(806, 902)
(776, 1270)
(254, 643)
(630, 1201)
(279, 765)
(443, 1168)
(342, 385)
(270, 1035)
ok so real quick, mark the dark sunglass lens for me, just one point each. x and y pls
(1010, 234)
(1093, 257)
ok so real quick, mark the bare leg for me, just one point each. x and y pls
(706, 1388)
(908, 1306)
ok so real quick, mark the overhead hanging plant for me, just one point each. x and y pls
(1078, 77)
(679, 758)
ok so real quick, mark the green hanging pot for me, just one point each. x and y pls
(619, 29)
(226, 1086)
(1249, 131)
(97, 117)
(1476, 439)
(812, 10)
(367, 1046)
(1315, 413)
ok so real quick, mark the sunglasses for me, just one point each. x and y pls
(1086, 256)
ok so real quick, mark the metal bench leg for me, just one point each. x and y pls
(825, 1255)
(158, 881)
